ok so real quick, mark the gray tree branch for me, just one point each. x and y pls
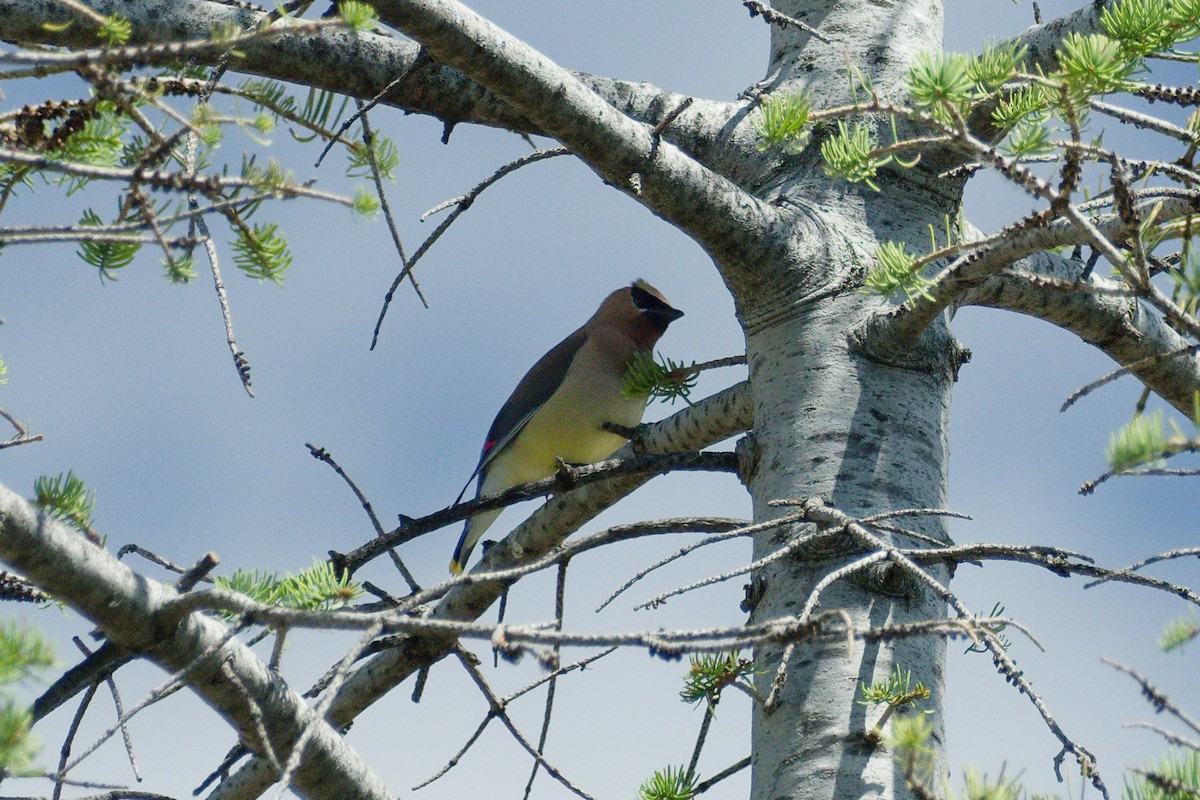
(360, 65)
(1043, 40)
(707, 422)
(730, 223)
(131, 610)
(1117, 325)
(960, 278)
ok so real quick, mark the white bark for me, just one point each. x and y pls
(1043, 39)
(1117, 325)
(131, 610)
(361, 65)
(842, 408)
(696, 427)
(879, 39)
(867, 438)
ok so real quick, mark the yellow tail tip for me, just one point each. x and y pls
(456, 568)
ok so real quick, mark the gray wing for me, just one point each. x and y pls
(539, 385)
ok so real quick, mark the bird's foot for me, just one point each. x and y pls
(633, 434)
(567, 475)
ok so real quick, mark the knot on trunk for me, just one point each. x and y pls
(889, 579)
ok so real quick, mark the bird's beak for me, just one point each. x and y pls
(668, 314)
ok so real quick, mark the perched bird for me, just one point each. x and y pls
(558, 408)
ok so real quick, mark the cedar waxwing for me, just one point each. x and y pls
(558, 408)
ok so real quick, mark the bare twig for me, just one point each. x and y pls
(793, 545)
(167, 181)
(65, 750)
(173, 684)
(1125, 370)
(579, 665)
(497, 708)
(560, 586)
(377, 179)
(827, 516)
(666, 643)
(21, 436)
(462, 751)
(1174, 787)
(1134, 567)
(570, 478)
(15, 588)
(1175, 446)
(728, 529)
(363, 108)
(318, 714)
(152, 557)
(1156, 698)
(88, 13)
(256, 716)
(461, 203)
(241, 365)
(41, 60)
(700, 737)
(780, 679)
(1146, 121)
(772, 17)
(666, 121)
(704, 786)
(1170, 736)
(120, 708)
(321, 454)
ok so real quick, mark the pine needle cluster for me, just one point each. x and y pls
(317, 588)
(672, 783)
(658, 379)
(710, 673)
(66, 498)
(23, 653)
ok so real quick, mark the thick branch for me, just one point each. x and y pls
(1043, 40)
(708, 421)
(959, 279)
(727, 221)
(1117, 325)
(130, 610)
(358, 65)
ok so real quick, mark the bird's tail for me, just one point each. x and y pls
(472, 532)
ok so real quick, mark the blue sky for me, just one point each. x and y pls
(131, 383)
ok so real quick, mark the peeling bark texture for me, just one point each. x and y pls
(131, 610)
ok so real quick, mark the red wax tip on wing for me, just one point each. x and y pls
(489, 445)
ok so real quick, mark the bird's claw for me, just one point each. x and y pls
(632, 433)
(566, 475)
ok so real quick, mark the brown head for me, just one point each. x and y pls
(639, 310)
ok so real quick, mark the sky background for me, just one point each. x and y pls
(132, 385)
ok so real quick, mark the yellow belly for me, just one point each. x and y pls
(566, 427)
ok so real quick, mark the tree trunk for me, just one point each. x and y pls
(861, 424)
(866, 438)
(841, 412)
